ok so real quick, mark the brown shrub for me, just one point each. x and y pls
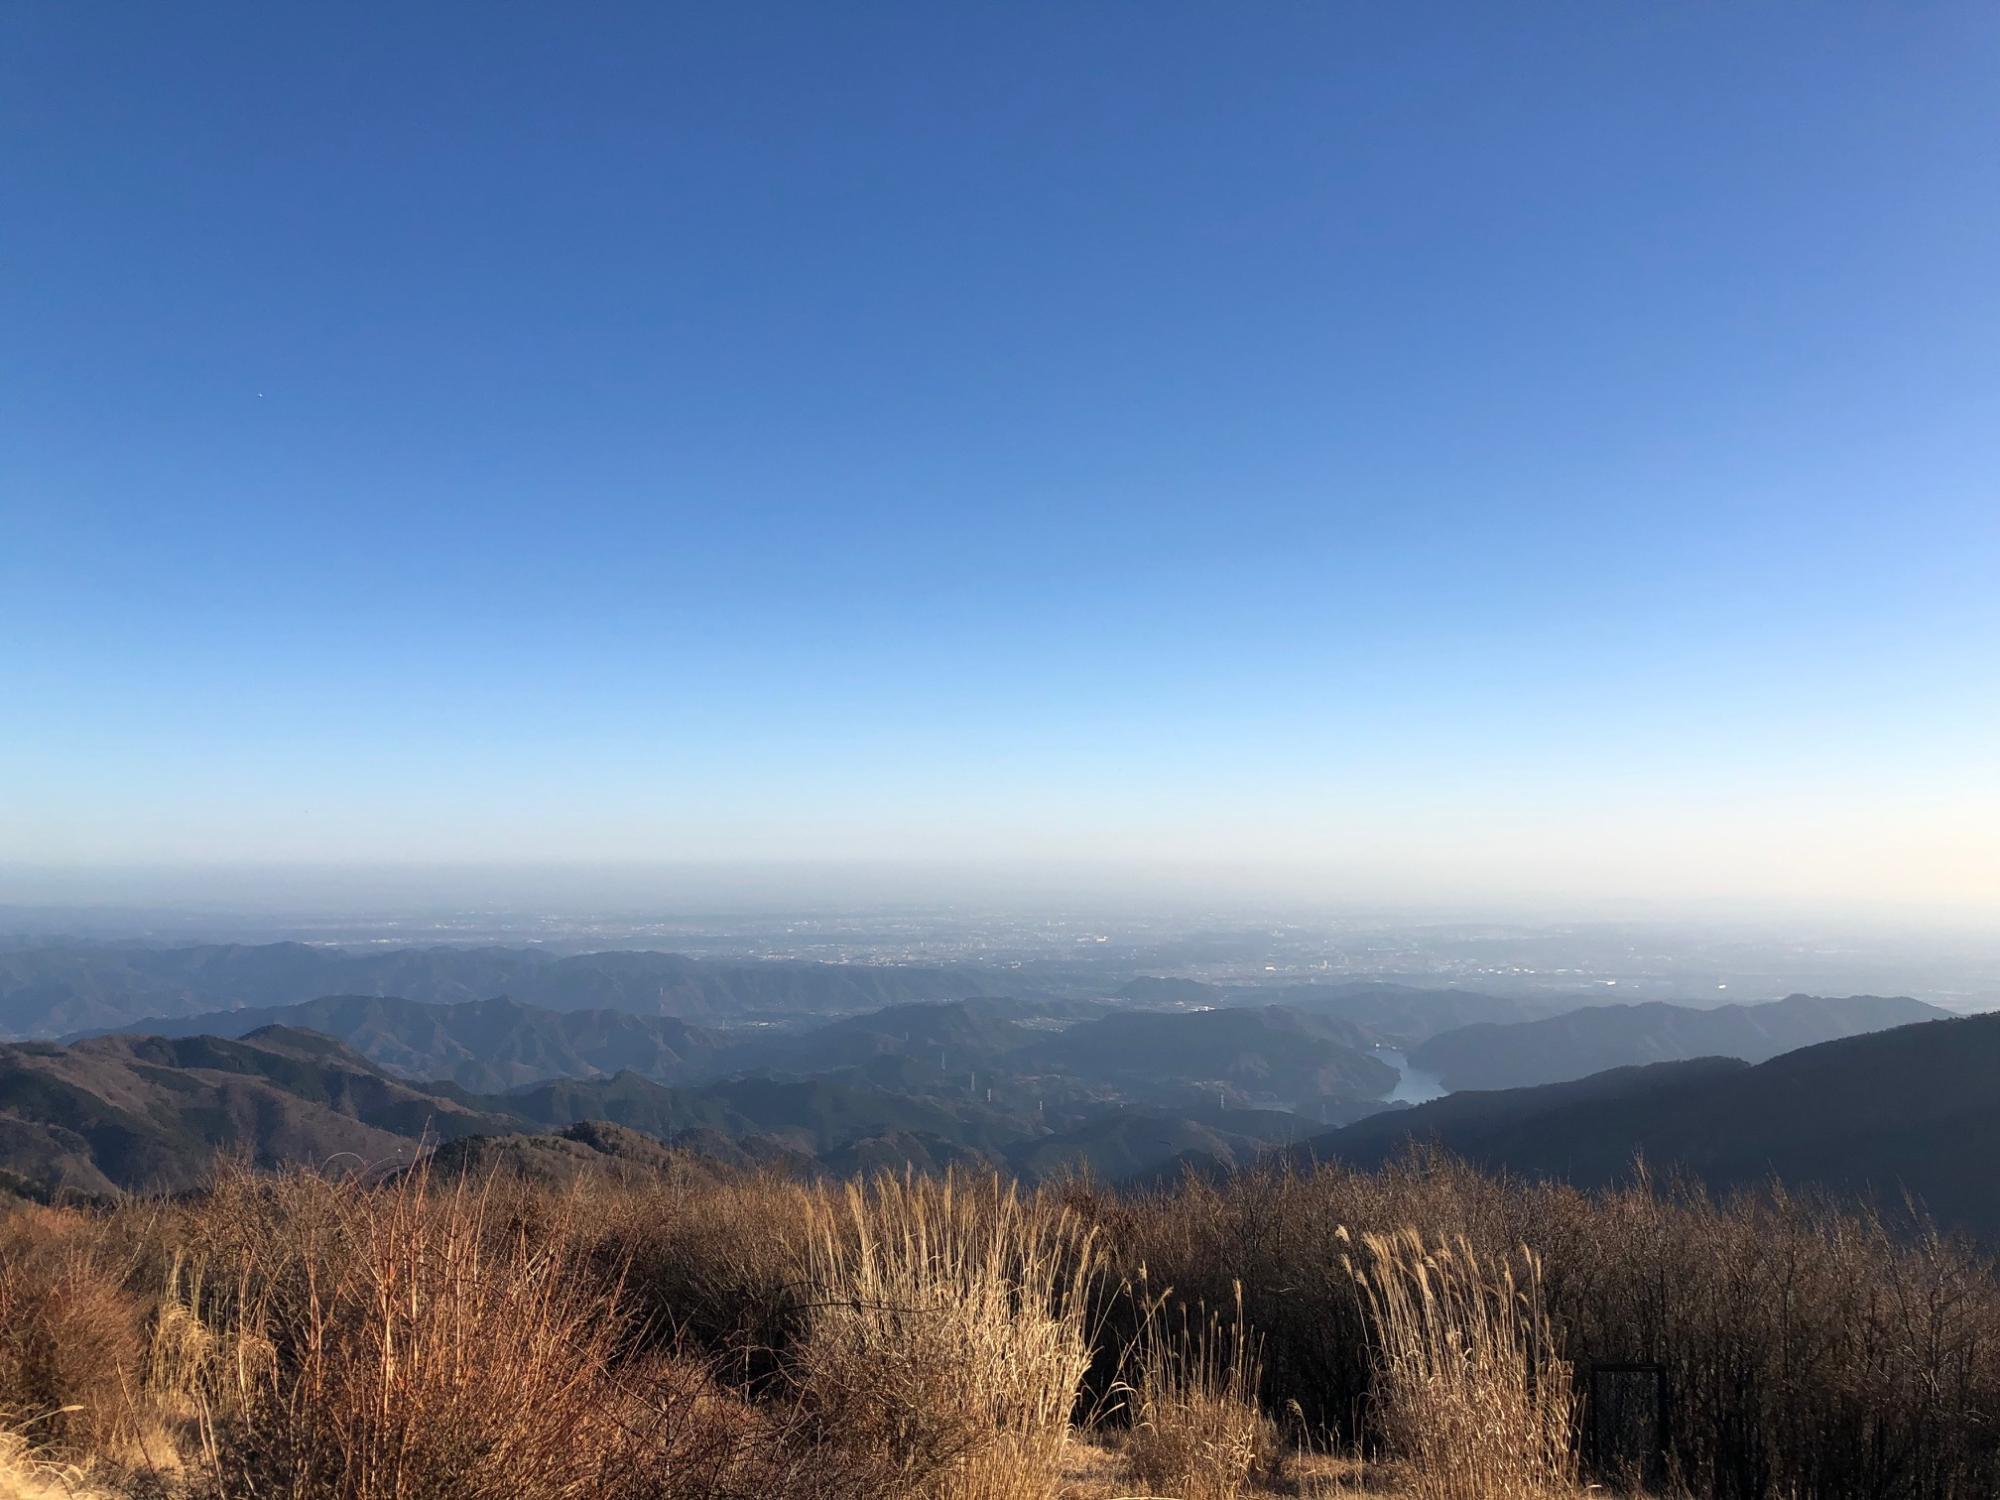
(715, 1265)
(1808, 1350)
(71, 1336)
(397, 1342)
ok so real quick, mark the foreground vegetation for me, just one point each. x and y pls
(1422, 1330)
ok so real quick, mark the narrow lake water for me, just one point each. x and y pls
(1413, 1085)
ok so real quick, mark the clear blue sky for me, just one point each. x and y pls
(1466, 445)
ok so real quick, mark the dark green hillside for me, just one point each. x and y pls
(598, 1151)
(949, 1036)
(813, 1115)
(1124, 1144)
(1266, 1053)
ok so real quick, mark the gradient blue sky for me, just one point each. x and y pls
(1472, 447)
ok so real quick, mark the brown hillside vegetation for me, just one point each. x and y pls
(701, 1331)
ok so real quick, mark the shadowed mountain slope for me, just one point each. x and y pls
(153, 1112)
(1914, 1109)
(598, 1151)
(1124, 1144)
(487, 1046)
(143, 1113)
(948, 1035)
(1403, 1014)
(812, 1115)
(1598, 1037)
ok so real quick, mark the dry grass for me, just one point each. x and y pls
(411, 1342)
(1197, 1430)
(1472, 1395)
(400, 1355)
(946, 1335)
(719, 1264)
(70, 1338)
(25, 1476)
(735, 1336)
(1098, 1472)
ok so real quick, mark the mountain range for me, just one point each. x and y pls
(831, 1068)
(484, 1045)
(1910, 1110)
(1071, 1057)
(1580, 1042)
(59, 988)
(153, 1112)
(148, 1113)
(1267, 1051)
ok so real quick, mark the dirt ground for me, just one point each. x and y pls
(1098, 1472)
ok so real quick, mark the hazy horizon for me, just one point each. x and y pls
(1526, 458)
(694, 891)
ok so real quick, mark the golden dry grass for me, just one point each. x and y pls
(1473, 1395)
(1197, 1430)
(946, 1334)
(1097, 1470)
(24, 1476)
(717, 1337)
